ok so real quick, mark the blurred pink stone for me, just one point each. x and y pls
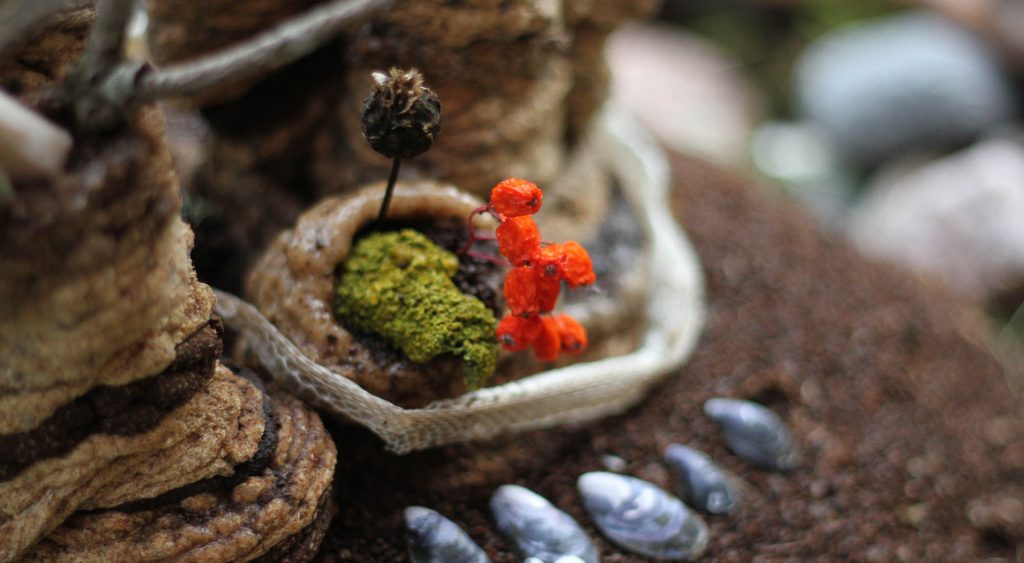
(684, 90)
(959, 218)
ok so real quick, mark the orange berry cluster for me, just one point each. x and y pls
(532, 287)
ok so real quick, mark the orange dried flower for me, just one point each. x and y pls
(550, 260)
(571, 333)
(518, 239)
(547, 344)
(568, 261)
(532, 287)
(577, 268)
(548, 289)
(517, 333)
(515, 197)
(521, 292)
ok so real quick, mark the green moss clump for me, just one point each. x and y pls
(397, 285)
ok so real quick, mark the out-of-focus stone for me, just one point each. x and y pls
(799, 156)
(684, 90)
(1000, 513)
(999, 21)
(914, 81)
(958, 218)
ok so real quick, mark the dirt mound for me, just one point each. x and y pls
(906, 421)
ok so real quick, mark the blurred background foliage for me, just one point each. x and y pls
(766, 37)
(896, 123)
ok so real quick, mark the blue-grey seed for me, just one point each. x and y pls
(700, 482)
(754, 433)
(642, 518)
(432, 538)
(537, 529)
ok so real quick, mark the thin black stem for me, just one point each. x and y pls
(395, 165)
(267, 51)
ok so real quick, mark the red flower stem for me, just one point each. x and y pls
(472, 238)
(486, 257)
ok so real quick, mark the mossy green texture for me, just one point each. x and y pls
(397, 285)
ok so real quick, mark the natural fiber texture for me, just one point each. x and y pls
(219, 428)
(110, 390)
(577, 201)
(675, 312)
(46, 54)
(53, 367)
(96, 286)
(242, 517)
(505, 116)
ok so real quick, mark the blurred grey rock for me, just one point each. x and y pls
(908, 82)
(614, 463)
(687, 92)
(800, 157)
(960, 218)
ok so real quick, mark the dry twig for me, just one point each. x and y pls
(262, 53)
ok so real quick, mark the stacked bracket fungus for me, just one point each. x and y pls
(121, 435)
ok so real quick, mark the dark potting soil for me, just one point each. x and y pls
(905, 420)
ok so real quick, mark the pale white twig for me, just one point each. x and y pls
(106, 40)
(30, 146)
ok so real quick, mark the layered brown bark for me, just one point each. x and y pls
(110, 385)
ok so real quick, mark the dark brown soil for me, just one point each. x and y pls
(903, 415)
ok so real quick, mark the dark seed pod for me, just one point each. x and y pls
(401, 116)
